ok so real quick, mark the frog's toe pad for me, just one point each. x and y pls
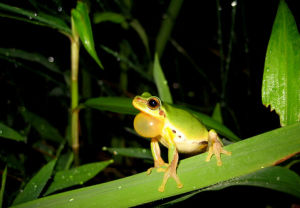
(161, 189)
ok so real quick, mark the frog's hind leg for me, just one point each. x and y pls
(171, 172)
(215, 147)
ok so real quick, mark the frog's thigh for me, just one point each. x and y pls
(215, 147)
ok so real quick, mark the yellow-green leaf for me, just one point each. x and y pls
(37, 183)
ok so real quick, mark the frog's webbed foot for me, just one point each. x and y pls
(160, 167)
(159, 164)
(171, 172)
(215, 147)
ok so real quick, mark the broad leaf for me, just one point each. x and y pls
(35, 186)
(76, 176)
(281, 78)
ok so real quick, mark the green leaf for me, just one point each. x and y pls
(64, 161)
(257, 152)
(9, 133)
(136, 25)
(108, 16)
(130, 152)
(83, 26)
(76, 176)
(161, 82)
(217, 114)
(42, 126)
(36, 18)
(113, 104)
(281, 78)
(35, 186)
(28, 56)
(4, 174)
(276, 178)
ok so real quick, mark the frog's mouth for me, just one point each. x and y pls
(138, 103)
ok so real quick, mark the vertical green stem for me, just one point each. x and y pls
(167, 26)
(74, 93)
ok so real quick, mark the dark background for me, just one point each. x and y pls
(195, 30)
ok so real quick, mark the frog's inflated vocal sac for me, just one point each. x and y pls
(176, 129)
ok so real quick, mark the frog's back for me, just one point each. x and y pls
(186, 123)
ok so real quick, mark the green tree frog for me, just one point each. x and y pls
(176, 129)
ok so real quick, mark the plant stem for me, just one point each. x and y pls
(167, 26)
(74, 93)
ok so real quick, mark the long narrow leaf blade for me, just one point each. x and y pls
(35, 186)
(113, 104)
(9, 133)
(83, 27)
(130, 152)
(281, 78)
(42, 126)
(161, 82)
(76, 176)
(276, 178)
(257, 152)
(28, 56)
(3, 186)
(47, 20)
(109, 16)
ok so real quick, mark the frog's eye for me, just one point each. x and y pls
(153, 103)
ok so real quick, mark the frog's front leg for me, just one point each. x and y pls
(215, 147)
(158, 161)
(173, 161)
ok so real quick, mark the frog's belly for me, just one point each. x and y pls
(190, 146)
(184, 144)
